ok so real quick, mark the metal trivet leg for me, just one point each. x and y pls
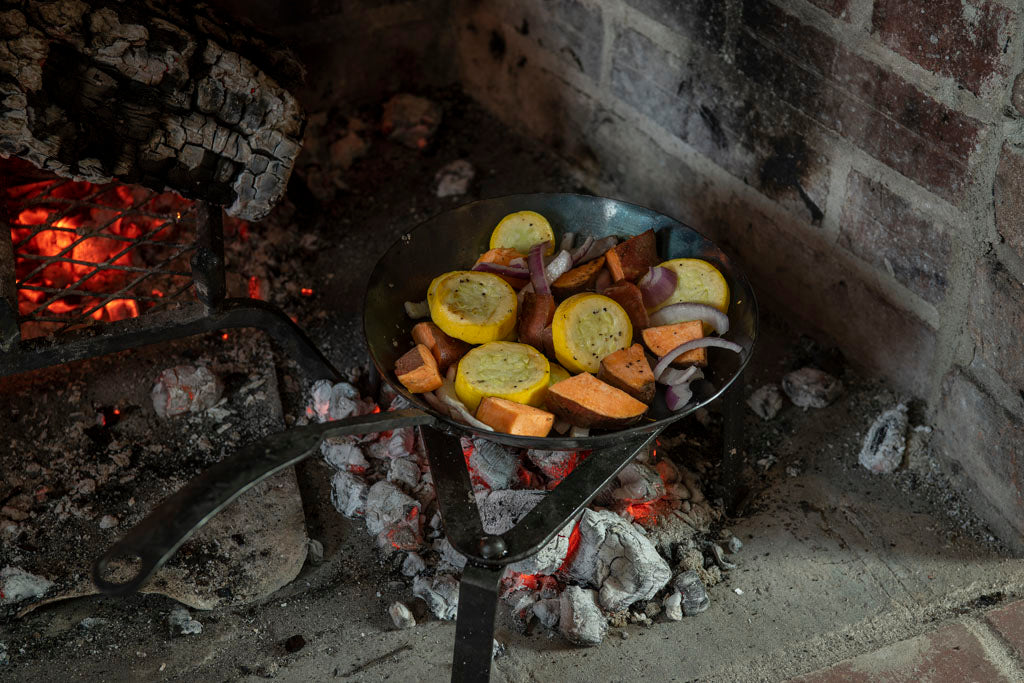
(486, 554)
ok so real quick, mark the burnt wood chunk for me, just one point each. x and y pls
(96, 91)
(631, 259)
(579, 279)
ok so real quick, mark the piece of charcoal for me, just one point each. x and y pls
(694, 596)
(811, 388)
(885, 441)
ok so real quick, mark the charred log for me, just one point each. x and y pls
(104, 90)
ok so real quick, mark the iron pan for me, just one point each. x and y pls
(454, 239)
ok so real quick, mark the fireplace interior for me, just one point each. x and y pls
(862, 160)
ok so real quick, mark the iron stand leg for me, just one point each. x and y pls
(732, 487)
(474, 626)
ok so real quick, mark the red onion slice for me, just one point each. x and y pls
(559, 266)
(417, 309)
(537, 276)
(457, 409)
(598, 248)
(604, 279)
(577, 432)
(677, 313)
(579, 251)
(667, 359)
(673, 376)
(436, 403)
(506, 271)
(567, 241)
(677, 396)
(657, 285)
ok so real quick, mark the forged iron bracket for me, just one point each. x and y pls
(488, 554)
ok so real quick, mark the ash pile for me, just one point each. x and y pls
(644, 551)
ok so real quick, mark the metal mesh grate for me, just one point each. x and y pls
(88, 253)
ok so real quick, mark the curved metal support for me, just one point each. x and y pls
(156, 538)
(163, 326)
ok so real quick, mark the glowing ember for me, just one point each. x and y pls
(76, 245)
(254, 288)
(644, 513)
(306, 291)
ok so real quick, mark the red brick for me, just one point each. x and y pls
(962, 39)
(950, 654)
(1009, 621)
(1017, 95)
(883, 114)
(984, 440)
(884, 229)
(1008, 195)
(996, 321)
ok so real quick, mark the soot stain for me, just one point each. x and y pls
(497, 45)
(714, 126)
(785, 168)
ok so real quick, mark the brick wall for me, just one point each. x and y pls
(864, 159)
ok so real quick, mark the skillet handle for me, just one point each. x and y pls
(156, 538)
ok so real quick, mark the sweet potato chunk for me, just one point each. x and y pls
(629, 370)
(503, 256)
(586, 401)
(662, 339)
(629, 296)
(417, 370)
(446, 350)
(631, 259)
(510, 417)
(534, 315)
(578, 279)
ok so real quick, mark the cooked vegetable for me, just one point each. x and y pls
(579, 252)
(579, 279)
(697, 282)
(522, 230)
(535, 313)
(514, 418)
(629, 296)
(472, 306)
(446, 350)
(671, 376)
(677, 313)
(417, 370)
(586, 328)
(456, 408)
(632, 258)
(538, 278)
(499, 261)
(568, 239)
(663, 338)
(585, 401)
(677, 396)
(417, 309)
(504, 369)
(629, 370)
(558, 373)
(689, 347)
(657, 285)
(598, 248)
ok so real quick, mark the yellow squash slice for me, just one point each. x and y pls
(698, 282)
(510, 370)
(586, 328)
(472, 306)
(521, 230)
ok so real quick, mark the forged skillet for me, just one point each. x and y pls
(450, 241)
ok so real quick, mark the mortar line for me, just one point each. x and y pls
(998, 650)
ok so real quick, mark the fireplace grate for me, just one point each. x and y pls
(86, 253)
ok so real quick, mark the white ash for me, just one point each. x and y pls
(555, 465)
(401, 615)
(673, 606)
(491, 463)
(501, 510)
(638, 483)
(4, 657)
(718, 555)
(108, 522)
(410, 120)
(885, 442)
(17, 585)
(402, 443)
(521, 605)
(404, 471)
(692, 559)
(441, 594)
(547, 611)
(93, 622)
(623, 564)
(181, 623)
(766, 402)
(734, 544)
(581, 621)
(497, 649)
(449, 559)
(349, 494)
(315, 551)
(766, 462)
(387, 505)
(185, 388)
(331, 401)
(453, 179)
(668, 471)
(811, 388)
(413, 565)
(342, 454)
(694, 596)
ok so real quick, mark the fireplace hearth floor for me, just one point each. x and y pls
(836, 562)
